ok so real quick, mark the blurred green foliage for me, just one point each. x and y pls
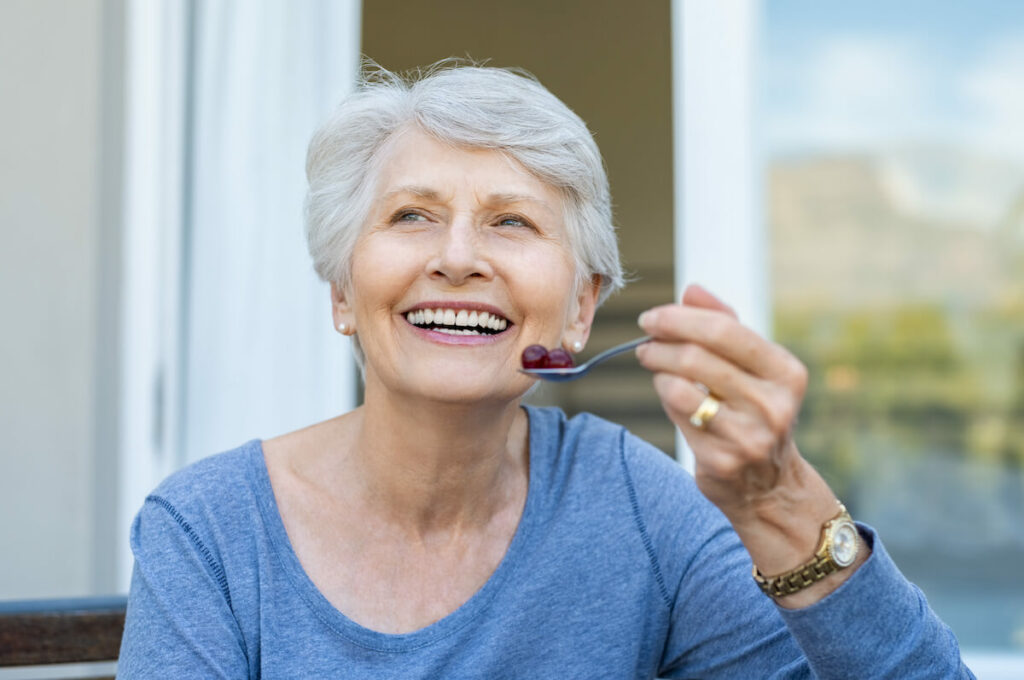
(934, 379)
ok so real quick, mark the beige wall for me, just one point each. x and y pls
(52, 198)
(610, 61)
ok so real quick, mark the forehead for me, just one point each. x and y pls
(415, 159)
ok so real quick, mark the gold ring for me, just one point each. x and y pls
(707, 410)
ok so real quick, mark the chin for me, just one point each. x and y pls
(466, 390)
(469, 395)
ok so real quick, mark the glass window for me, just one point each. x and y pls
(895, 203)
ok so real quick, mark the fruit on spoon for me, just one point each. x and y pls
(536, 356)
(558, 358)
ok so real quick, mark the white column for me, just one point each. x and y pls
(156, 35)
(719, 226)
(227, 332)
(261, 354)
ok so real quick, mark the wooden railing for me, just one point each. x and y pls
(38, 632)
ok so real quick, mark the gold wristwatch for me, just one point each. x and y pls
(837, 550)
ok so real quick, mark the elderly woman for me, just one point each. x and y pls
(445, 530)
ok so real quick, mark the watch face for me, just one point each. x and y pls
(844, 544)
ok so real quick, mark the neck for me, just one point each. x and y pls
(432, 466)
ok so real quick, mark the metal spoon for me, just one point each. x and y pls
(567, 374)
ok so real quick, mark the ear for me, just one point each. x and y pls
(341, 310)
(585, 306)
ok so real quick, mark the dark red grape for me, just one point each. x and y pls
(558, 358)
(534, 356)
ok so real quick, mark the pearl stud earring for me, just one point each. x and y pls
(577, 346)
(342, 328)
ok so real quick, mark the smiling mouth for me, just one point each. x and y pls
(457, 321)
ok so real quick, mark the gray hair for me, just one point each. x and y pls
(505, 110)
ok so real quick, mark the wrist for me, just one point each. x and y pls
(782, 528)
(815, 589)
(836, 550)
(785, 531)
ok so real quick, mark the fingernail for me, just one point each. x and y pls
(645, 318)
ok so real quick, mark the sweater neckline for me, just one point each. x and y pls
(454, 621)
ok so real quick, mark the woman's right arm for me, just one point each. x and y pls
(179, 622)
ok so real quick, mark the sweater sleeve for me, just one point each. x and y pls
(876, 624)
(722, 626)
(179, 622)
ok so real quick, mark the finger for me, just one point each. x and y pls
(764, 405)
(731, 445)
(695, 363)
(680, 399)
(696, 295)
(724, 336)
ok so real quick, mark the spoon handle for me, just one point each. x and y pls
(618, 349)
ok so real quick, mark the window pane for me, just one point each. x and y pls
(895, 188)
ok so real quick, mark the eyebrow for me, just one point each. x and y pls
(517, 198)
(416, 190)
(429, 194)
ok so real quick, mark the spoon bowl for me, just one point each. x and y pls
(576, 372)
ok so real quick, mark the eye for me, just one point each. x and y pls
(514, 221)
(407, 216)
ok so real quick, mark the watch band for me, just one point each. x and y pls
(809, 573)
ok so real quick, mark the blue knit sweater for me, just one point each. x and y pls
(619, 568)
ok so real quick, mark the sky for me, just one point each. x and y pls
(858, 74)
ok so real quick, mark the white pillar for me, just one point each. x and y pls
(719, 231)
(227, 333)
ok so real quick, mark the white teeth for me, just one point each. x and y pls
(457, 331)
(468, 319)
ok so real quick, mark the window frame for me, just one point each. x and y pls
(719, 169)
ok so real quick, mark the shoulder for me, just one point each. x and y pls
(665, 499)
(658, 486)
(590, 440)
(208, 498)
(215, 479)
(591, 434)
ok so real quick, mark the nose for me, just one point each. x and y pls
(460, 254)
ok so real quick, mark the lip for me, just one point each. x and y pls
(446, 339)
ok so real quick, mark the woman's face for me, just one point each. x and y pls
(474, 235)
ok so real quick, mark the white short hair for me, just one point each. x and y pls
(478, 107)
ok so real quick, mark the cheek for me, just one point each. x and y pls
(379, 275)
(547, 285)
